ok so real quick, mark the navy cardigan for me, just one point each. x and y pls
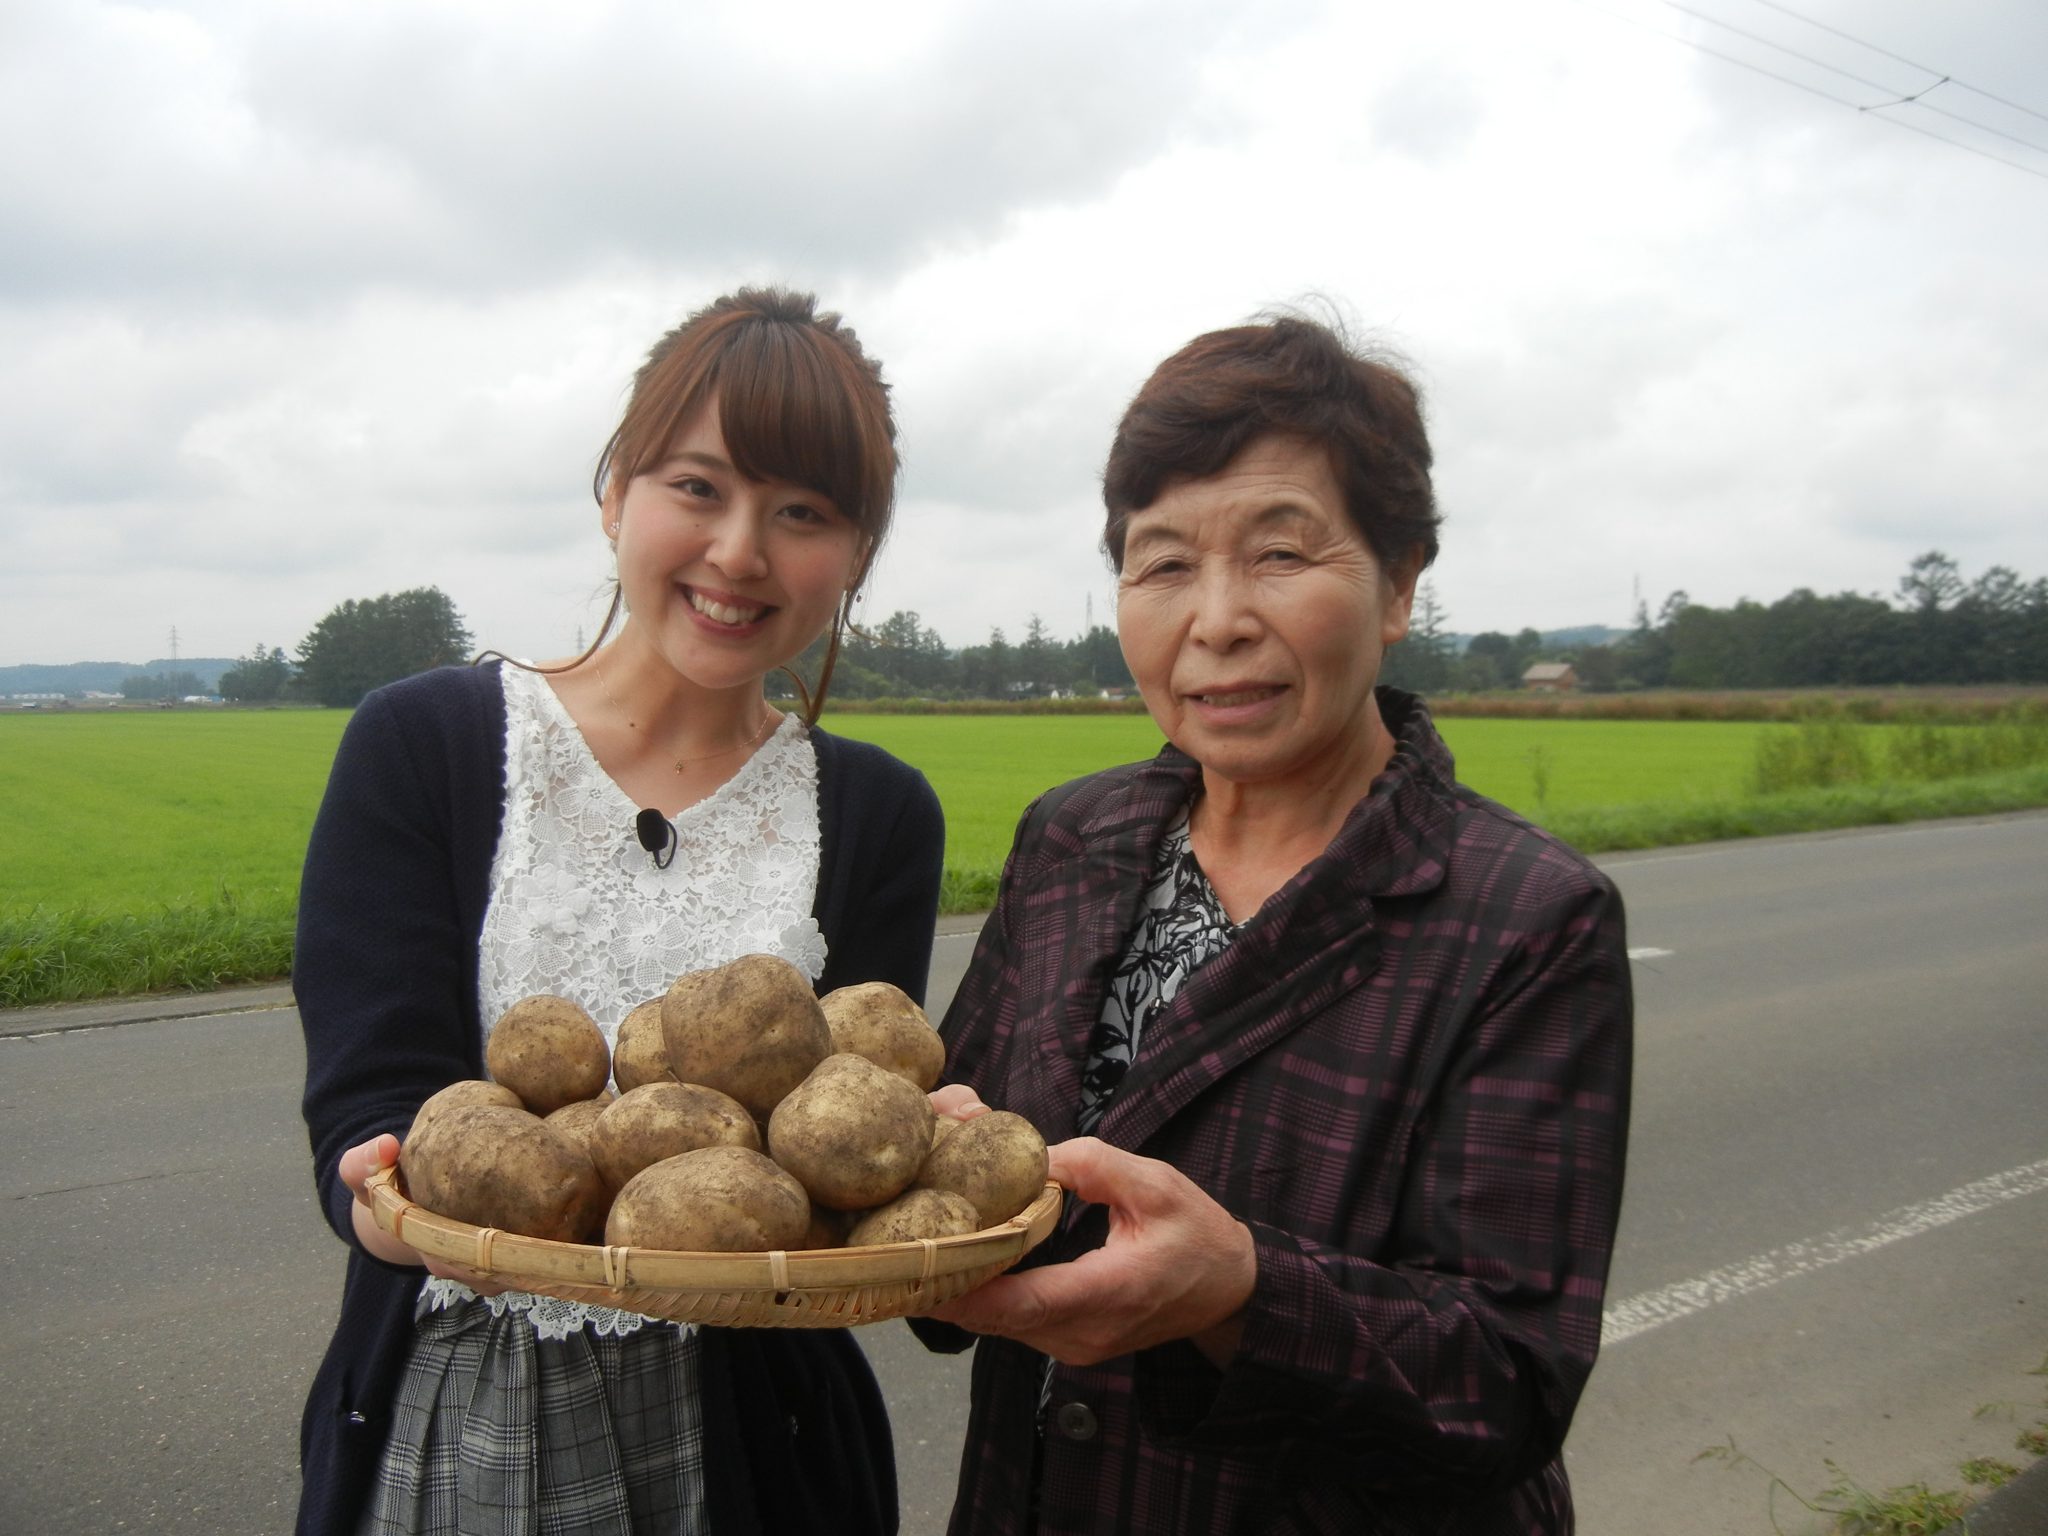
(391, 907)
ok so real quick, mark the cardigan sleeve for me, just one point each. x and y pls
(382, 956)
(1461, 1354)
(884, 858)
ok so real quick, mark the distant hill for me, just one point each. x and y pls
(106, 676)
(1555, 639)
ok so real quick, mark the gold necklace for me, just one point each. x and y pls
(774, 718)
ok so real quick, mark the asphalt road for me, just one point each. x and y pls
(1835, 1245)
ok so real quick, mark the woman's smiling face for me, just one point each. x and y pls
(1254, 616)
(727, 578)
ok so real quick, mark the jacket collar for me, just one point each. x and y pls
(1313, 940)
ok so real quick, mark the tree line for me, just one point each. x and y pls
(1938, 627)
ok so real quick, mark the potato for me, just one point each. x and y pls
(639, 1056)
(853, 1133)
(916, 1213)
(714, 1200)
(879, 1021)
(549, 1052)
(665, 1119)
(828, 1227)
(751, 1028)
(997, 1160)
(575, 1120)
(494, 1166)
(470, 1090)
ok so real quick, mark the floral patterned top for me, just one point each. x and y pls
(1183, 925)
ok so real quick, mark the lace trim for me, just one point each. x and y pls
(578, 908)
(551, 1317)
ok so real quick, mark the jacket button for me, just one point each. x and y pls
(1076, 1421)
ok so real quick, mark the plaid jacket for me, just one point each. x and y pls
(1409, 1077)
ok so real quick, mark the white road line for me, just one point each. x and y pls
(1648, 953)
(1653, 1309)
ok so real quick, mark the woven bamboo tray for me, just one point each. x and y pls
(819, 1288)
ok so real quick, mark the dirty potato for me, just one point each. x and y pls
(666, 1119)
(914, 1214)
(714, 1200)
(639, 1056)
(575, 1120)
(470, 1090)
(879, 1021)
(751, 1028)
(996, 1160)
(494, 1166)
(549, 1052)
(853, 1133)
(828, 1227)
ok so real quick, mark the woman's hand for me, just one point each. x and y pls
(1176, 1266)
(358, 1163)
(956, 1101)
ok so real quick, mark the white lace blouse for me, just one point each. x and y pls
(578, 908)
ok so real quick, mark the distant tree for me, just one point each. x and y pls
(1038, 667)
(1421, 663)
(1598, 668)
(1932, 582)
(364, 645)
(257, 678)
(1099, 658)
(986, 671)
(1488, 662)
(161, 685)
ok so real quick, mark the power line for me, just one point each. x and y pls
(1875, 85)
(1857, 107)
(1946, 79)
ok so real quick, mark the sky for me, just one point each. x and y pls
(314, 301)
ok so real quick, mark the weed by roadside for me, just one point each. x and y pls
(1907, 1509)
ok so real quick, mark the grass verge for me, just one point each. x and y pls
(1664, 825)
(49, 956)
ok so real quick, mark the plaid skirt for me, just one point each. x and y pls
(499, 1432)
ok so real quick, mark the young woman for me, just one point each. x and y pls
(594, 829)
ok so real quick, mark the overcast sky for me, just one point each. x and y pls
(304, 302)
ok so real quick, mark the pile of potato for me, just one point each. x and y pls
(750, 1115)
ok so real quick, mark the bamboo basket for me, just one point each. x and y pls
(818, 1288)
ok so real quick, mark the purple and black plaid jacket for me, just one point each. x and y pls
(1409, 1076)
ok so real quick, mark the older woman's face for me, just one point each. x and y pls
(1253, 616)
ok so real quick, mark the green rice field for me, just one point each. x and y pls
(125, 811)
(150, 849)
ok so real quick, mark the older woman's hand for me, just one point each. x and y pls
(1176, 1266)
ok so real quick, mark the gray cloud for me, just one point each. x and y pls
(306, 303)
(282, 160)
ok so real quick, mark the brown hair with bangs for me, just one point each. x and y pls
(1292, 376)
(798, 400)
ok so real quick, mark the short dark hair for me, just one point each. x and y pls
(1286, 375)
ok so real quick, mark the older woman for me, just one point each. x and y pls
(1335, 1050)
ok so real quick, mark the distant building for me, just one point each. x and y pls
(1550, 677)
